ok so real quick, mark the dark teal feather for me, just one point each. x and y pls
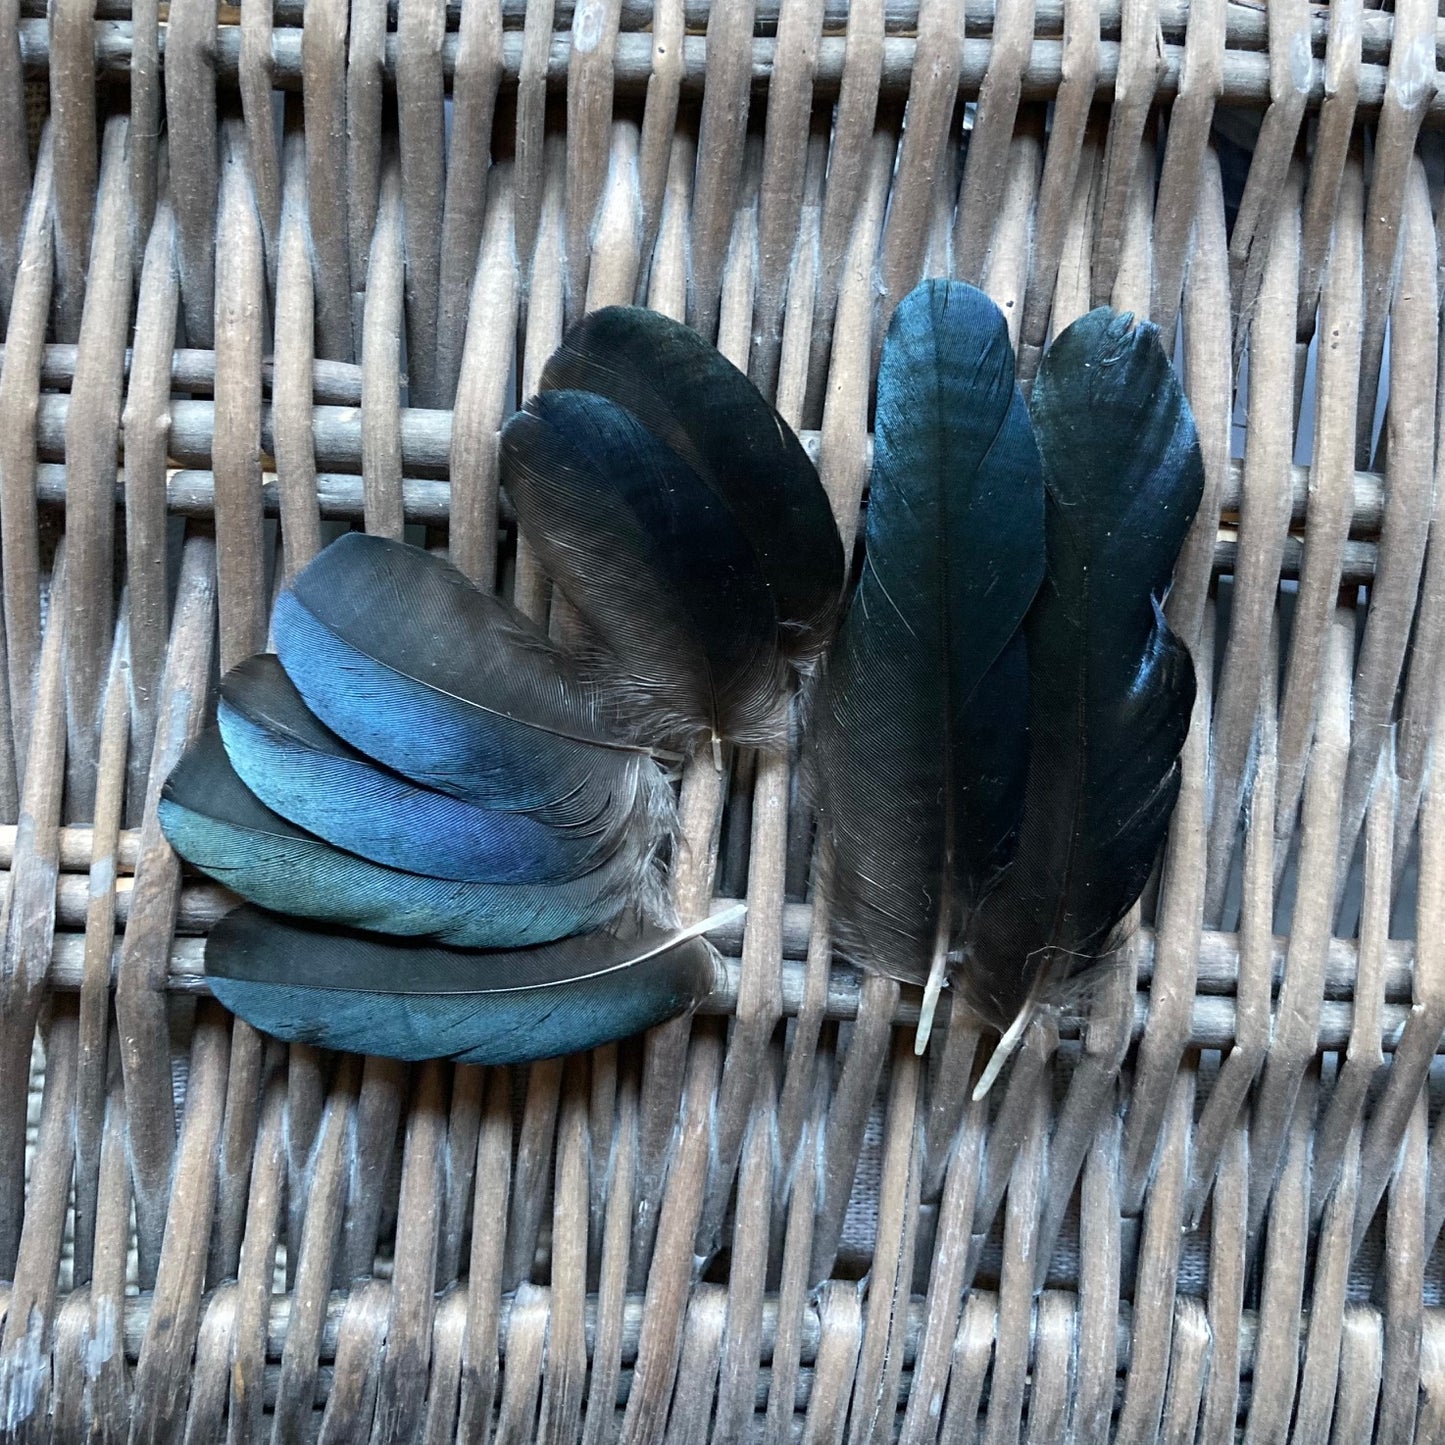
(700, 406)
(656, 564)
(920, 721)
(421, 1001)
(401, 657)
(1112, 687)
(683, 520)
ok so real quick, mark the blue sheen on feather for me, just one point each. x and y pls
(467, 751)
(921, 718)
(699, 405)
(213, 821)
(311, 778)
(488, 1013)
(396, 653)
(1112, 687)
(657, 565)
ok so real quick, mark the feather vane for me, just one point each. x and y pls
(421, 1001)
(683, 520)
(920, 720)
(433, 819)
(1111, 687)
(998, 726)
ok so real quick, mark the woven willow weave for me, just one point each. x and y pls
(298, 265)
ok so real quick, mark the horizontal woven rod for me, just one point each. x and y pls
(427, 501)
(191, 493)
(278, 1320)
(1246, 27)
(202, 905)
(1212, 1021)
(426, 438)
(1245, 72)
(336, 382)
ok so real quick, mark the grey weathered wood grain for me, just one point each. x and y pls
(1180, 193)
(15, 183)
(1140, 62)
(563, 1386)
(381, 343)
(30, 1313)
(90, 448)
(401, 1388)
(256, 80)
(1292, 75)
(1332, 143)
(474, 97)
(29, 924)
(985, 166)
(481, 388)
(379, 1106)
(190, 81)
(1336, 387)
(140, 1006)
(928, 122)
(1409, 88)
(73, 125)
(1262, 529)
(19, 519)
(145, 422)
(531, 120)
(296, 1386)
(295, 338)
(163, 1368)
(421, 24)
(257, 1259)
(94, 1055)
(148, 152)
(1409, 436)
(322, 70)
(589, 129)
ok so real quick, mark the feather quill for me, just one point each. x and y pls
(1111, 686)
(996, 793)
(685, 523)
(420, 1001)
(920, 721)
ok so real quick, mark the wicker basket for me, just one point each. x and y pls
(272, 264)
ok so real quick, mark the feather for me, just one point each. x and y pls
(653, 560)
(213, 821)
(314, 780)
(420, 1001)
(683, 520)
(920, 720)
(1111, 686)
(700, 406)
(460, 784)
(400, 656)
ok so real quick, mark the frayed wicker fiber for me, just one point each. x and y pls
(272, 270)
